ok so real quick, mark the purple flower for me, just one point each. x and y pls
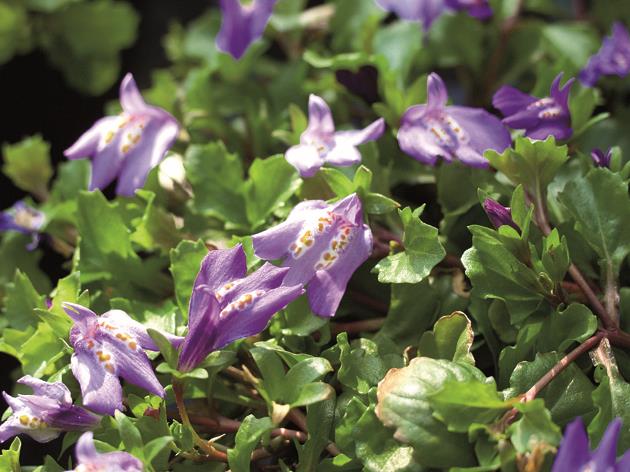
(126, 146)
(320, 143)
(424, 11)
(600, 159)
(241, 25)
(90, 460)
(44, 415)
(613, 58)
(452, 132)
(499, 215)
(322, 245)
(539, 117)
(574, 454)
(476, 8)
(24, 219)
(227, 304)
(107, 347)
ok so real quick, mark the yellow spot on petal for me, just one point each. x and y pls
(24, 420)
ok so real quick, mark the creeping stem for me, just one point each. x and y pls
(208, 449)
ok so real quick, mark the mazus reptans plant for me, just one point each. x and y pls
(322, 245)
(321, 144)
(23, 219)
(539, 117)
(574, 454)
(227, 304)
(45, 414)
(90, 460)
(107, 347)
(613, 58)
(428, 132)
(498, 214)
(126, 147)
(241, 25)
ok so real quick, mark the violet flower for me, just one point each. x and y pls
(90, 460)
(451, 132)
(322, 245)
(107, 347)
(475, 8)
(574, 454)
(613, 58)
(23, 219)
(126, 146)
(320, 143)
(499, 215)
(227, 304)
(600, 159)
(539, 117)
(424, 11)
(241, 25)
(44, 415)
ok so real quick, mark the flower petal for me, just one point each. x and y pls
(327, 287)
(343, 154)
(84, 318)
(242, 25)
(88, 142)
(437, 95)
(485, 131)
(305, 158)
(100, 388)
(574, 450)
(55, 390)
(266, 278)
(125, 323)
(254, 318)
(132, 364)
(509, 100)
(199, 340)
(605, 456)
(156, 139)
(320, 120)
(371, 132)
(130, 98)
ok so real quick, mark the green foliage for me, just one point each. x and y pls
(441, 331)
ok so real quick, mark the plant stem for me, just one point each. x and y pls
(208, 449)
(299, 419)
(543, 223)
(562, 364)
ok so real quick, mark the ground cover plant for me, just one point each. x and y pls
(345, 235)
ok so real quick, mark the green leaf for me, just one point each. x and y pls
(319, 421)
(568, 395)
(532, 164)
(461, 404)
(14, 256)
(575, 324)
(27, 164)
(535, 429)
(399, 43)
(451, 339)
(603, 224)
(73, 38)
(167, 350)
(555, 256)
(10, 458)
(185, 263)
(67, 290)
(573, 42)
(129, 434)
(362, 365)
(217, 180)
(611, 398)
(376, 448)
(153, 448)
(249, 434)
(21, 301)
(15, 31)
(404, 404)
(271, 183)
(497, 273)
(423, 251)
(156, 229)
